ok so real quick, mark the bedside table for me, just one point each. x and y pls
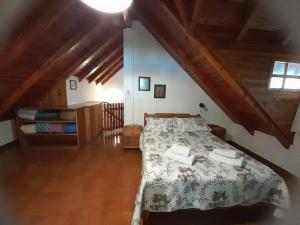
(220, 132)
(131, 136)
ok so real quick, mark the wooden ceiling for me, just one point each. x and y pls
(59, 39)
(226, 46)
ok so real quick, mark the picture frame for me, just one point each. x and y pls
(73, 84)
(144, 83)
(160, 90)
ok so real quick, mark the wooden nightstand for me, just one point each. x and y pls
(220, 132)
(131, 136)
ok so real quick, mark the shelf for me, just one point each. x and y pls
(51, 134)
(47, 121)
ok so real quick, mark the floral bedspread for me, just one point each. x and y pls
(167, 185)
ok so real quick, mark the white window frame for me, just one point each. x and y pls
(284, 76)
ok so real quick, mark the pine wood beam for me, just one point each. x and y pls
(114, 72)
(245, 25)
(21, 43)
(196, 14)
(97, 59)
(183, 14)
(106, 62)
(110, 70)
(96, 50)
(69, 48)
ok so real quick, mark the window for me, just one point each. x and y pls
(285, 76)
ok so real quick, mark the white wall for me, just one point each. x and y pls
(85, 91)
(7, 132)
(112, 90)
(144, 56)
(270, 148)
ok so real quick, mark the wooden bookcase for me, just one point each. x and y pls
(48, 140)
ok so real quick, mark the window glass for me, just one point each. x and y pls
(293, 69)
(276, 82)
(292, 83)
(278, 68)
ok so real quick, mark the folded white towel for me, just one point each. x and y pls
(233, 162)
(227, 153)
(180, 150)
(27, 114)
(179, 158)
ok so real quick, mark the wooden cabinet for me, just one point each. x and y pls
(131, 136)
(220, 132)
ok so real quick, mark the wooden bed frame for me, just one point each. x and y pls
(146, 214)
(168, 115)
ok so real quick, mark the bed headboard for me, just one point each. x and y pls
(167, 115)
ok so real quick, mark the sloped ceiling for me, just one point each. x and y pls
(227, 47)
(59, 39)
(200, 36)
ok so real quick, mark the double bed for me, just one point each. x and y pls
(167, 185)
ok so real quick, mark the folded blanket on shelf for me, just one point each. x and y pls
(28, 129)
(47, 116)
(179, 158)
(70, 128)
(67, 115)
(226, 153)
(239, 162)
(56, 128)
(42, 127)
(27, 114)
(180, 150)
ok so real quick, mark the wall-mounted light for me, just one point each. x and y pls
(109, 6)
(203, 107)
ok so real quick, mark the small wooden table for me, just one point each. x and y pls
(220, 132)
(131, 136)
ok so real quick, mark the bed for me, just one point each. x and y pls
(167, 185)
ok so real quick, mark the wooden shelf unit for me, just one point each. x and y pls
(48, 140)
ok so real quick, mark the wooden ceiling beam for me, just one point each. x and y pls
(246, 24)
(106, 61)
(21, 43)
(109, 69)
(81, 60)
(109, 75)
(196, 14)
(69, 48)
(183, 14)
(285, 139)
(96, 50)
(97, 59)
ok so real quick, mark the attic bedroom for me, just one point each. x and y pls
(149, 112)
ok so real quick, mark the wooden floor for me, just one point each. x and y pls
(93, 186)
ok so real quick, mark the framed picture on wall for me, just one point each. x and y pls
(73, 84)
(160, 91)
(144, 83)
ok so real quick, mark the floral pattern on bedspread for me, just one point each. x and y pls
(167, 185)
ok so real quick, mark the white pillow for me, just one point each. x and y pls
(161, 124)
(192, 124)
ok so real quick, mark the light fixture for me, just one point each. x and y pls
(109, 6)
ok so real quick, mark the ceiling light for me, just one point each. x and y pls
(109, 6)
